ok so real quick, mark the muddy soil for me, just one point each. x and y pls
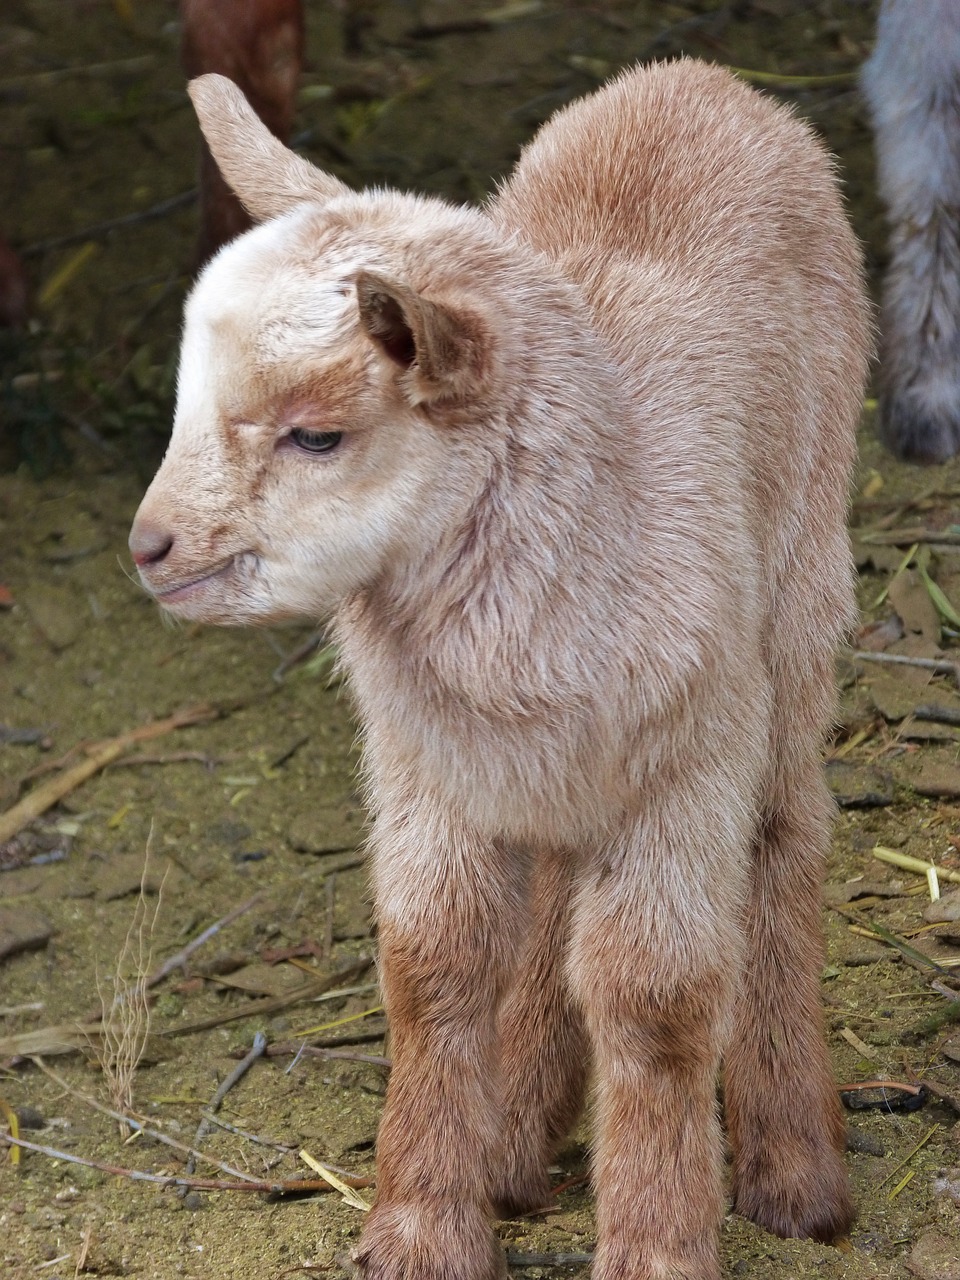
(256, 798)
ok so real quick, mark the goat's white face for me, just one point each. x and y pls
(299, 462)
(311, 450)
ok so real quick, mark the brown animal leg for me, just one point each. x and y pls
(258, 44)
(782, 1108)
(656, 996)
(544, 1049)
(450, 912)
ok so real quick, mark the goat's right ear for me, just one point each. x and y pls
(268, 178)
(444, 347)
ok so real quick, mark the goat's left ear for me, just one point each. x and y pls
(268, 178)
(445, 348)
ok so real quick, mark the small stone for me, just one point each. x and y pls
(22, 929)
(193, 1201)
(30, 1118)
(227, 833)
(865, 1144)
(857, 786)
(895, 693)
(57, 613)
(329, 829)
(938, 778)
(945, 910)
(934, 1257)
(947, 1183)
(84, 1176)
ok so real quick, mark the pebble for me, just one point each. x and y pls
(934, 1257)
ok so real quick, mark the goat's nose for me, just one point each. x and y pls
(149, 543)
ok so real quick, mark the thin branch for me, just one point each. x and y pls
(180, 958)
(282, 1187)
(939, 665)
(99, 755)
(147, 1132)
(98, 229)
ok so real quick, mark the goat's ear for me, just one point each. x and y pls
(445, 348)
(268, 178)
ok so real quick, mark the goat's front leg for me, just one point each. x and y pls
(655, 955)
(449, 909)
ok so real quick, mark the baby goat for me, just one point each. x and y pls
(569, 473)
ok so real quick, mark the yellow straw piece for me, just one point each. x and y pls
(348, 1193)
(906, 863)
(902, 1183)
(71, 268)
(10, 1116)
(934, 884)
(339, 1022)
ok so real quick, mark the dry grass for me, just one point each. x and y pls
(124, 996)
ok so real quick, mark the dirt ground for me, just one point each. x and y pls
(256, 799)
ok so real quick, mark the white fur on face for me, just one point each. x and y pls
(296, 533)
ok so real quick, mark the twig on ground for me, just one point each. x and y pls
(85, 1241)
(912, 956)
(131, 1122)
(13, 1121)
(773, 79)
(351, 1179)
(9, 1010)
(340, 1022)
(347, 1192)
(282, 1048)
(278, 1187)
(219, 1123)
(517, 1259)
(906, 863)
(274, 1004)
(180, 958)
(879, 1084)
(331, 891)
(856, 1043)
(84, 71)
(910, 1154)
(938, 665)
(903, 537)
(174, 757)
(300, 654)
(237, 1074)
(99, 754)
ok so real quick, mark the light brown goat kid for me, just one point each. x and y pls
(570, 475)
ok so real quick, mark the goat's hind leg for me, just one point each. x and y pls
(544, 1050)
(782, 1108)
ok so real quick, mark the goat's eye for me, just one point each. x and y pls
(315, 441)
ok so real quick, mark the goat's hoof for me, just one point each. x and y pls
(428, 1242)
(809, 1201)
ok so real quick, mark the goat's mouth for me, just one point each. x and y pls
(172, 596)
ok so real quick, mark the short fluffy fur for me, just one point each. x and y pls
(912, 85)
(570, 475)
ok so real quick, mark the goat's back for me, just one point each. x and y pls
(705, 226)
